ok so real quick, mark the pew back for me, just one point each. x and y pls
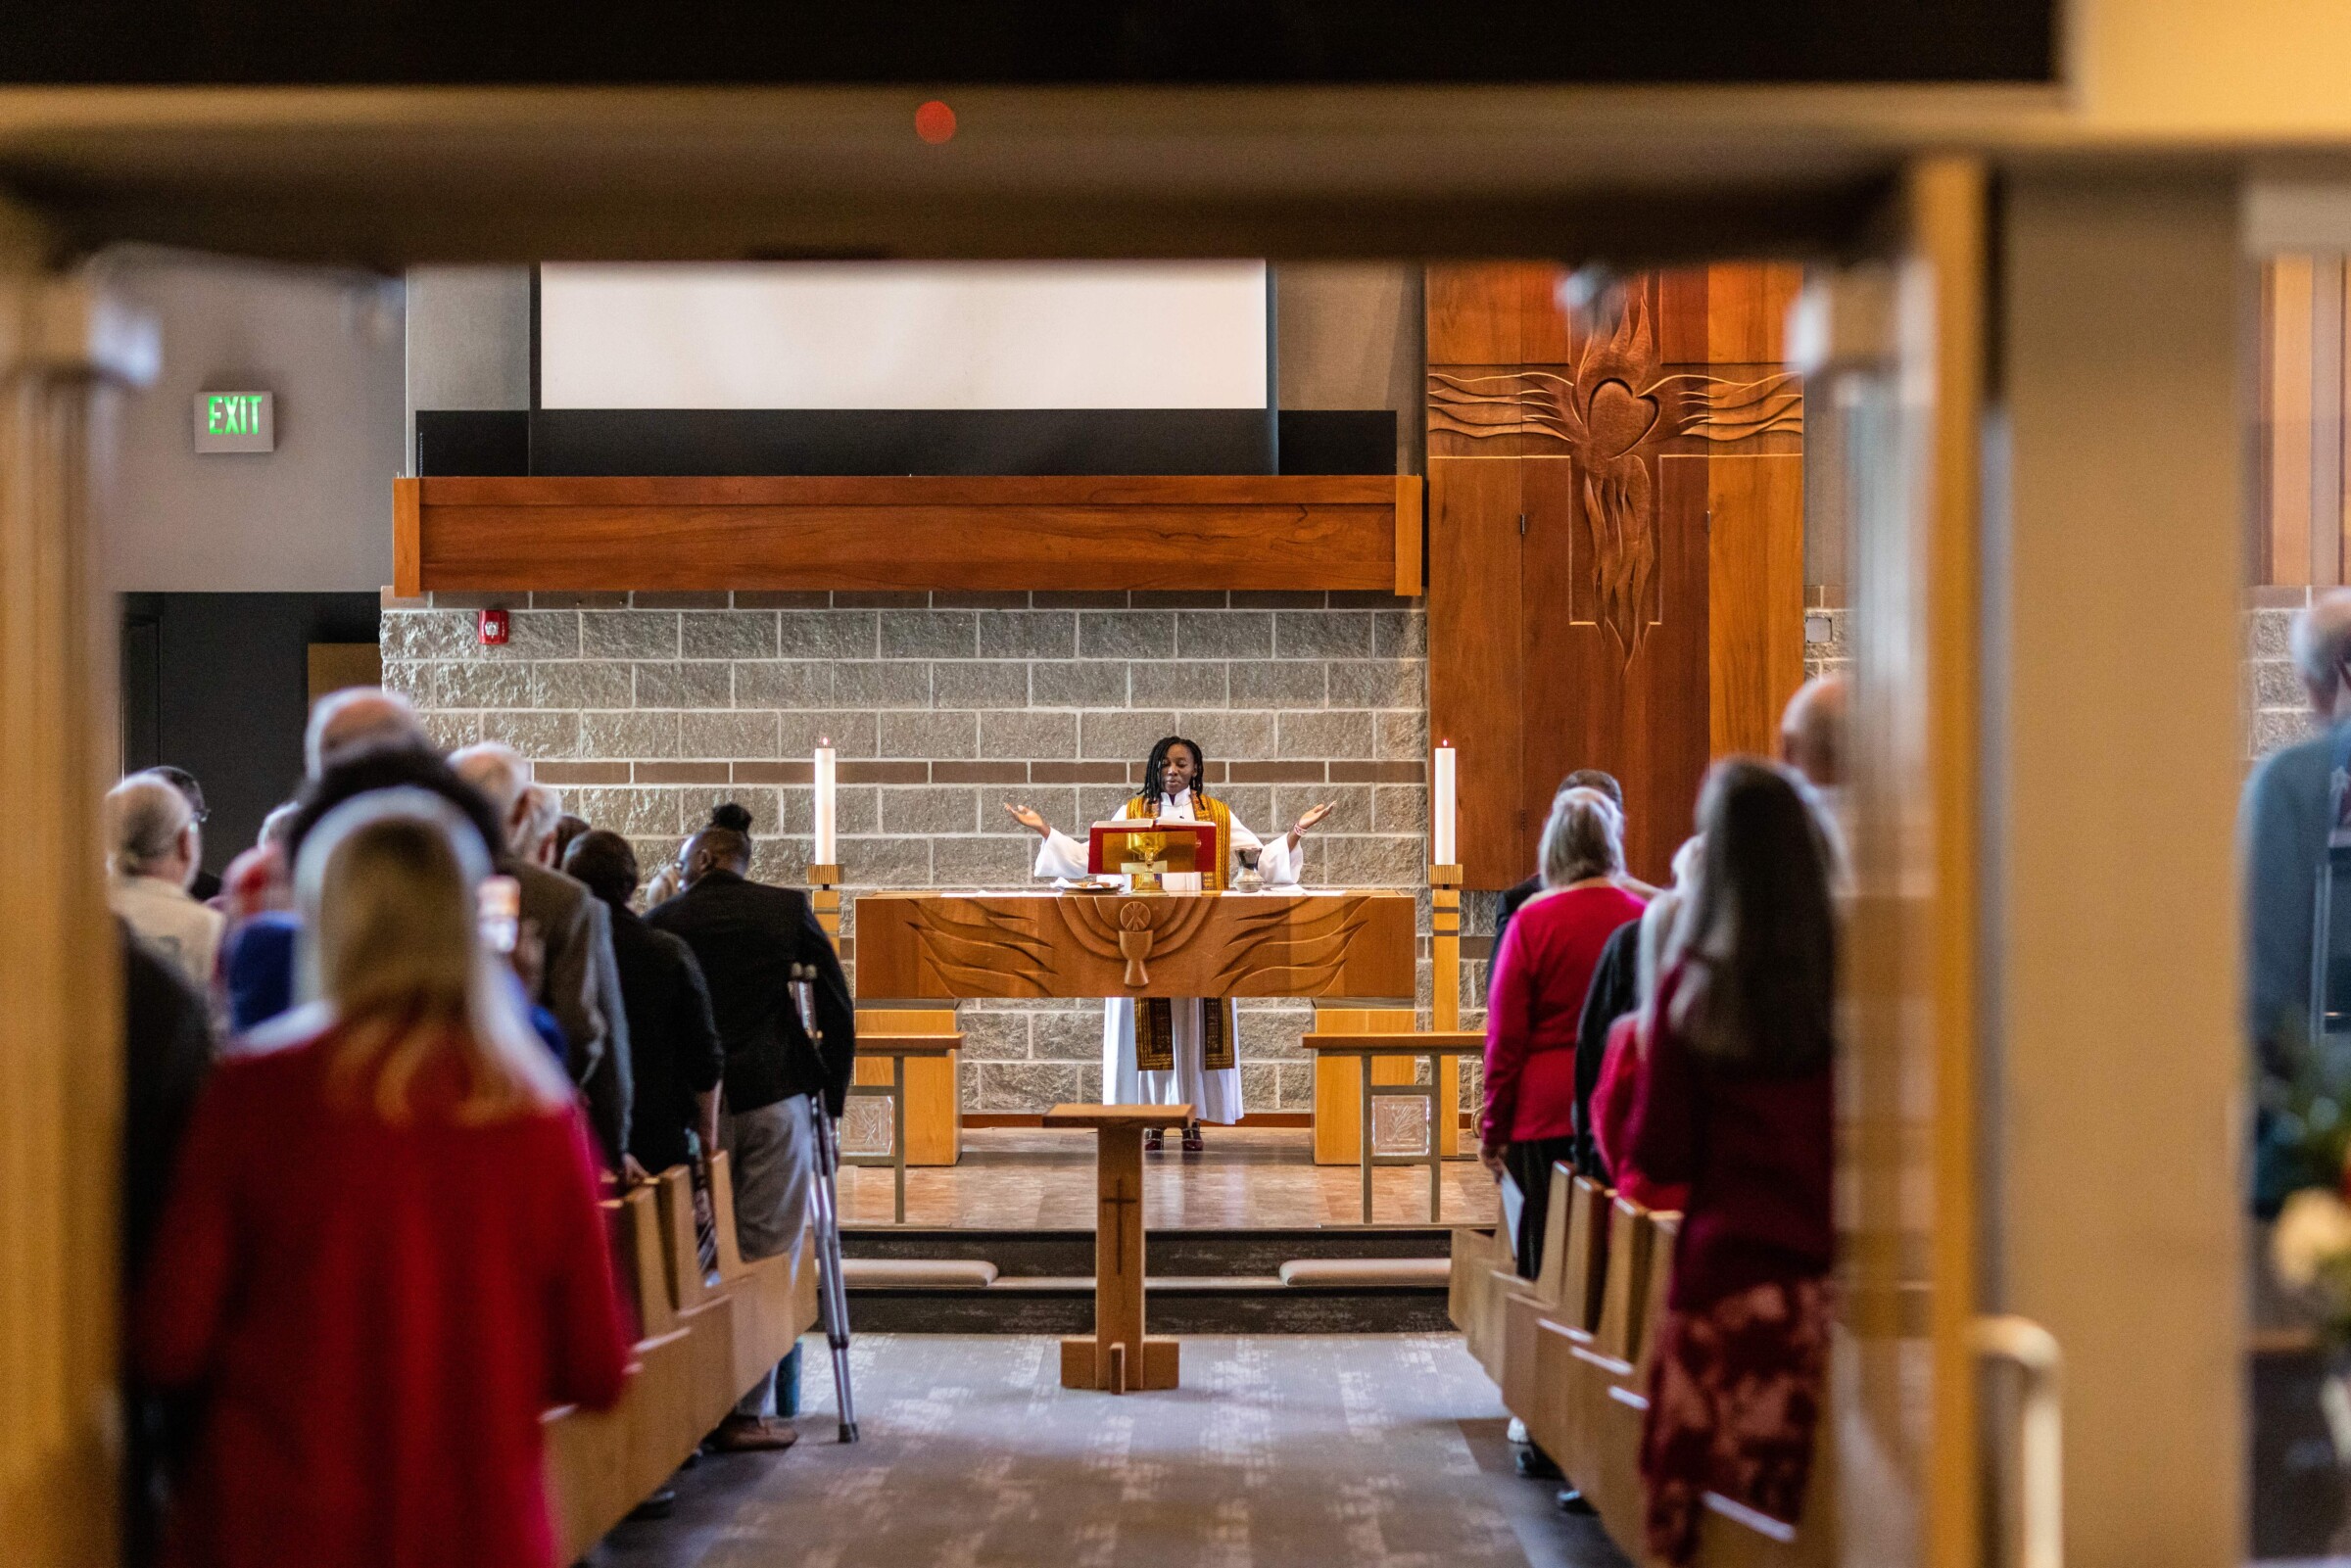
(1587, 1255)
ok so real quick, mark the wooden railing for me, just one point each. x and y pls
(1570, 1351)
(705, 1339)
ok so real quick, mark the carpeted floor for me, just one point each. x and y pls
(1278, 1450)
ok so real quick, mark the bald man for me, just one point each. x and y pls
(354, 719)
(1812, 732)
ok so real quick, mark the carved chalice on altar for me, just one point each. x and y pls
(1150, 862)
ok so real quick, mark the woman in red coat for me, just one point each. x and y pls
(1535, 1000)
(382, 1257)
(1734, 1100)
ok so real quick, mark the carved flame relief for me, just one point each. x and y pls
(1275, 953)
(1612, 410)
(980, 951)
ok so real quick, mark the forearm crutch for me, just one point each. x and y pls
(831, 1292)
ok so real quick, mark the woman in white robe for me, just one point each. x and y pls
(1213, 1094)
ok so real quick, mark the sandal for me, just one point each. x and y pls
(1154, 1140)
(1193, 1143)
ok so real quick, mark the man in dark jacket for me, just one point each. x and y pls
(674, 1054)
(1515, 897)
(748, 937)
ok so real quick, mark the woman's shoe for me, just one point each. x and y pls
(1193, 1143)
(1154, 1140)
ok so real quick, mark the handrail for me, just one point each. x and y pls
(2040, 1463)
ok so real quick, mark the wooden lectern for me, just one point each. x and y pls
(1116, 1355)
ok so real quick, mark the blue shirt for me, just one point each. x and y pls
(2281, 838)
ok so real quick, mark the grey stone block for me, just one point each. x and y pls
(1400, 634)
(683, 685)
(1371, 861)
(694, 803)
(995, 684)
(1305, 737)
(1125, 736)
(2269, 633)
(1271, 1035)
(2276, 686)
(729, 734)
(1028, 634)
(473, 684)
(584, 684)
(1082, 685)
(1403, 737)
(1351, 806)
(1278, 684)
(981, 862)
(629, 734)
(852, 734)
(929, 736)
(535, 734)
(1230, 737)
(993, 1037)
(1252, 803)
(828, 634)
(1400, 809)
(1225, 634)
(540, 635)
(1058, 805)
(1127, 635)
(783, 862)
(887, 862)
(856, 809)
(786, 685)
(1296, 1080)
(1068, 1034)
(630, 634)
(1322, 635)
(413, 680)
(1026, 735)
(882, 684)
(1379, 683)
(1099, 803)
(1260, 1088)
(930, 635)
(1027, 1086)
(450, 731)
(727, 633)
(631, 811)
(427, 634)
(1179, 685)
(935, 809)
(2276, 729)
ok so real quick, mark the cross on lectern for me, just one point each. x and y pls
(1117, 1205)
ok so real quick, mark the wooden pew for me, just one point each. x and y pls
(1603, 1372)
(1550, 1414)
(705, 1339)
(1524, 1309)
(1478, 1256)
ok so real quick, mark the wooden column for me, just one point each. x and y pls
(1116, 1355)
(60, 1058)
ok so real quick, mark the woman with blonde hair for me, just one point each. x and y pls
(382, 1257)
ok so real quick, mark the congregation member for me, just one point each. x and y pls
(1535, 1002)
(1812, 747)
(1181, 1051)
(167, 1053)
(568, 829)
(153, 849)
(357, 718)
(2289, 809)
(748, 937)
(1735, 1099)
(204, 886)
(1515, 897)
(1621, 1046)
(382, 1257)
(577, 981)
(674, 1055)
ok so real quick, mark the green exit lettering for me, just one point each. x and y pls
(237, 416)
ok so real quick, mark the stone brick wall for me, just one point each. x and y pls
(648, 708)
(2276, 711)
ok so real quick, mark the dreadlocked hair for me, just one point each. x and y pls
(1155, 771)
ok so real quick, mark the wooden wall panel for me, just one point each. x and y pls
(2287, 403)
(1475, 669)
(1470, 319)
(1756, 599)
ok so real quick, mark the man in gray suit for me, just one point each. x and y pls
(579, 981)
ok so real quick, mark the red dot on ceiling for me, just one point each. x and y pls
(934, 122)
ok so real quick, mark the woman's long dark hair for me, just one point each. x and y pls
(1155, 771)
(1760, 935)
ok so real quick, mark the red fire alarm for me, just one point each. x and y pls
(494, 628)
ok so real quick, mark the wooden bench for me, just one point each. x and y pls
(873, 1050)
(705, 1339)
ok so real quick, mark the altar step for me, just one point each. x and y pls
(1356, 1280)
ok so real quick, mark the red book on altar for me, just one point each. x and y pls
(1177, 848)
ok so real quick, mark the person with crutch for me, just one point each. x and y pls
(748, 938)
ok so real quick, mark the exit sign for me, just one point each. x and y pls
(236, 421)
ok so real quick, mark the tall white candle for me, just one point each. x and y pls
(826, 805)
(1441, 808)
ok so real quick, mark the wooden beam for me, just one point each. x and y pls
(408, 566)
(908, 531)
(1411, 581)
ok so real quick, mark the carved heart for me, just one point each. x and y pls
(1619, 420)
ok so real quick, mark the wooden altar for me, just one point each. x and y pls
(942, 947)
